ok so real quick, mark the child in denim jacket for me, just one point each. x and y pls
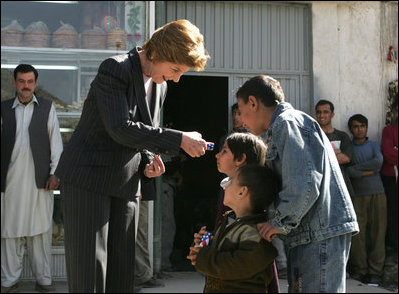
(314, 214)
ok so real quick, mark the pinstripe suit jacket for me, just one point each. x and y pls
(117, 134)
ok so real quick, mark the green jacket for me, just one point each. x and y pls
(238, 259)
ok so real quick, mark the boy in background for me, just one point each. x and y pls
(367, 254)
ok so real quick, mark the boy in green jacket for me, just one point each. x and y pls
(238, 259)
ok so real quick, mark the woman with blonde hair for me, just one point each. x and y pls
(113, 150)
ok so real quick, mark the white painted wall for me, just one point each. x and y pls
(350, 66)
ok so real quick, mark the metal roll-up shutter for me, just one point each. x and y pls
(249, 38)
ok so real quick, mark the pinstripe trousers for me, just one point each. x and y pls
(99, 241)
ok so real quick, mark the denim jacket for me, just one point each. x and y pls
(314, 203)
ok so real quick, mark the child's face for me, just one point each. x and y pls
(225, 161)
(251, 116)
(237, 122)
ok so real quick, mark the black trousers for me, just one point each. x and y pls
(391, 191)
(99, 241)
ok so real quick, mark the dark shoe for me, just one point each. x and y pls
(359, 277)
(44, 288)
(12, 289)
(374, 279)
(152, 283)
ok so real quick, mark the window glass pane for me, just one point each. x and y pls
(135, 23)
(66, 41)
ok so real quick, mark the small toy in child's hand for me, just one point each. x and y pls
(205, 239)
(210, 146)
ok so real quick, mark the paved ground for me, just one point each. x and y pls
(193, 282)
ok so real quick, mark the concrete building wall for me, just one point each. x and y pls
(350, 66)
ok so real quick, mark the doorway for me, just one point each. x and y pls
(196, 103)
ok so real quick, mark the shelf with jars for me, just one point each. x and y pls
(66, 41)
(99, 25)
(57, 53)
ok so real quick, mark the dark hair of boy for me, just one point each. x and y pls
(263, 88)
(25, 68)
(250, 145)
(262, 183)
(358, 117)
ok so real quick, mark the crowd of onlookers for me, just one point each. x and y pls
(370, 172)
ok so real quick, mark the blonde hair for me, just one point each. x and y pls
(178, 42)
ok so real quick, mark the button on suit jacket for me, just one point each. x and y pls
(118, 131)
